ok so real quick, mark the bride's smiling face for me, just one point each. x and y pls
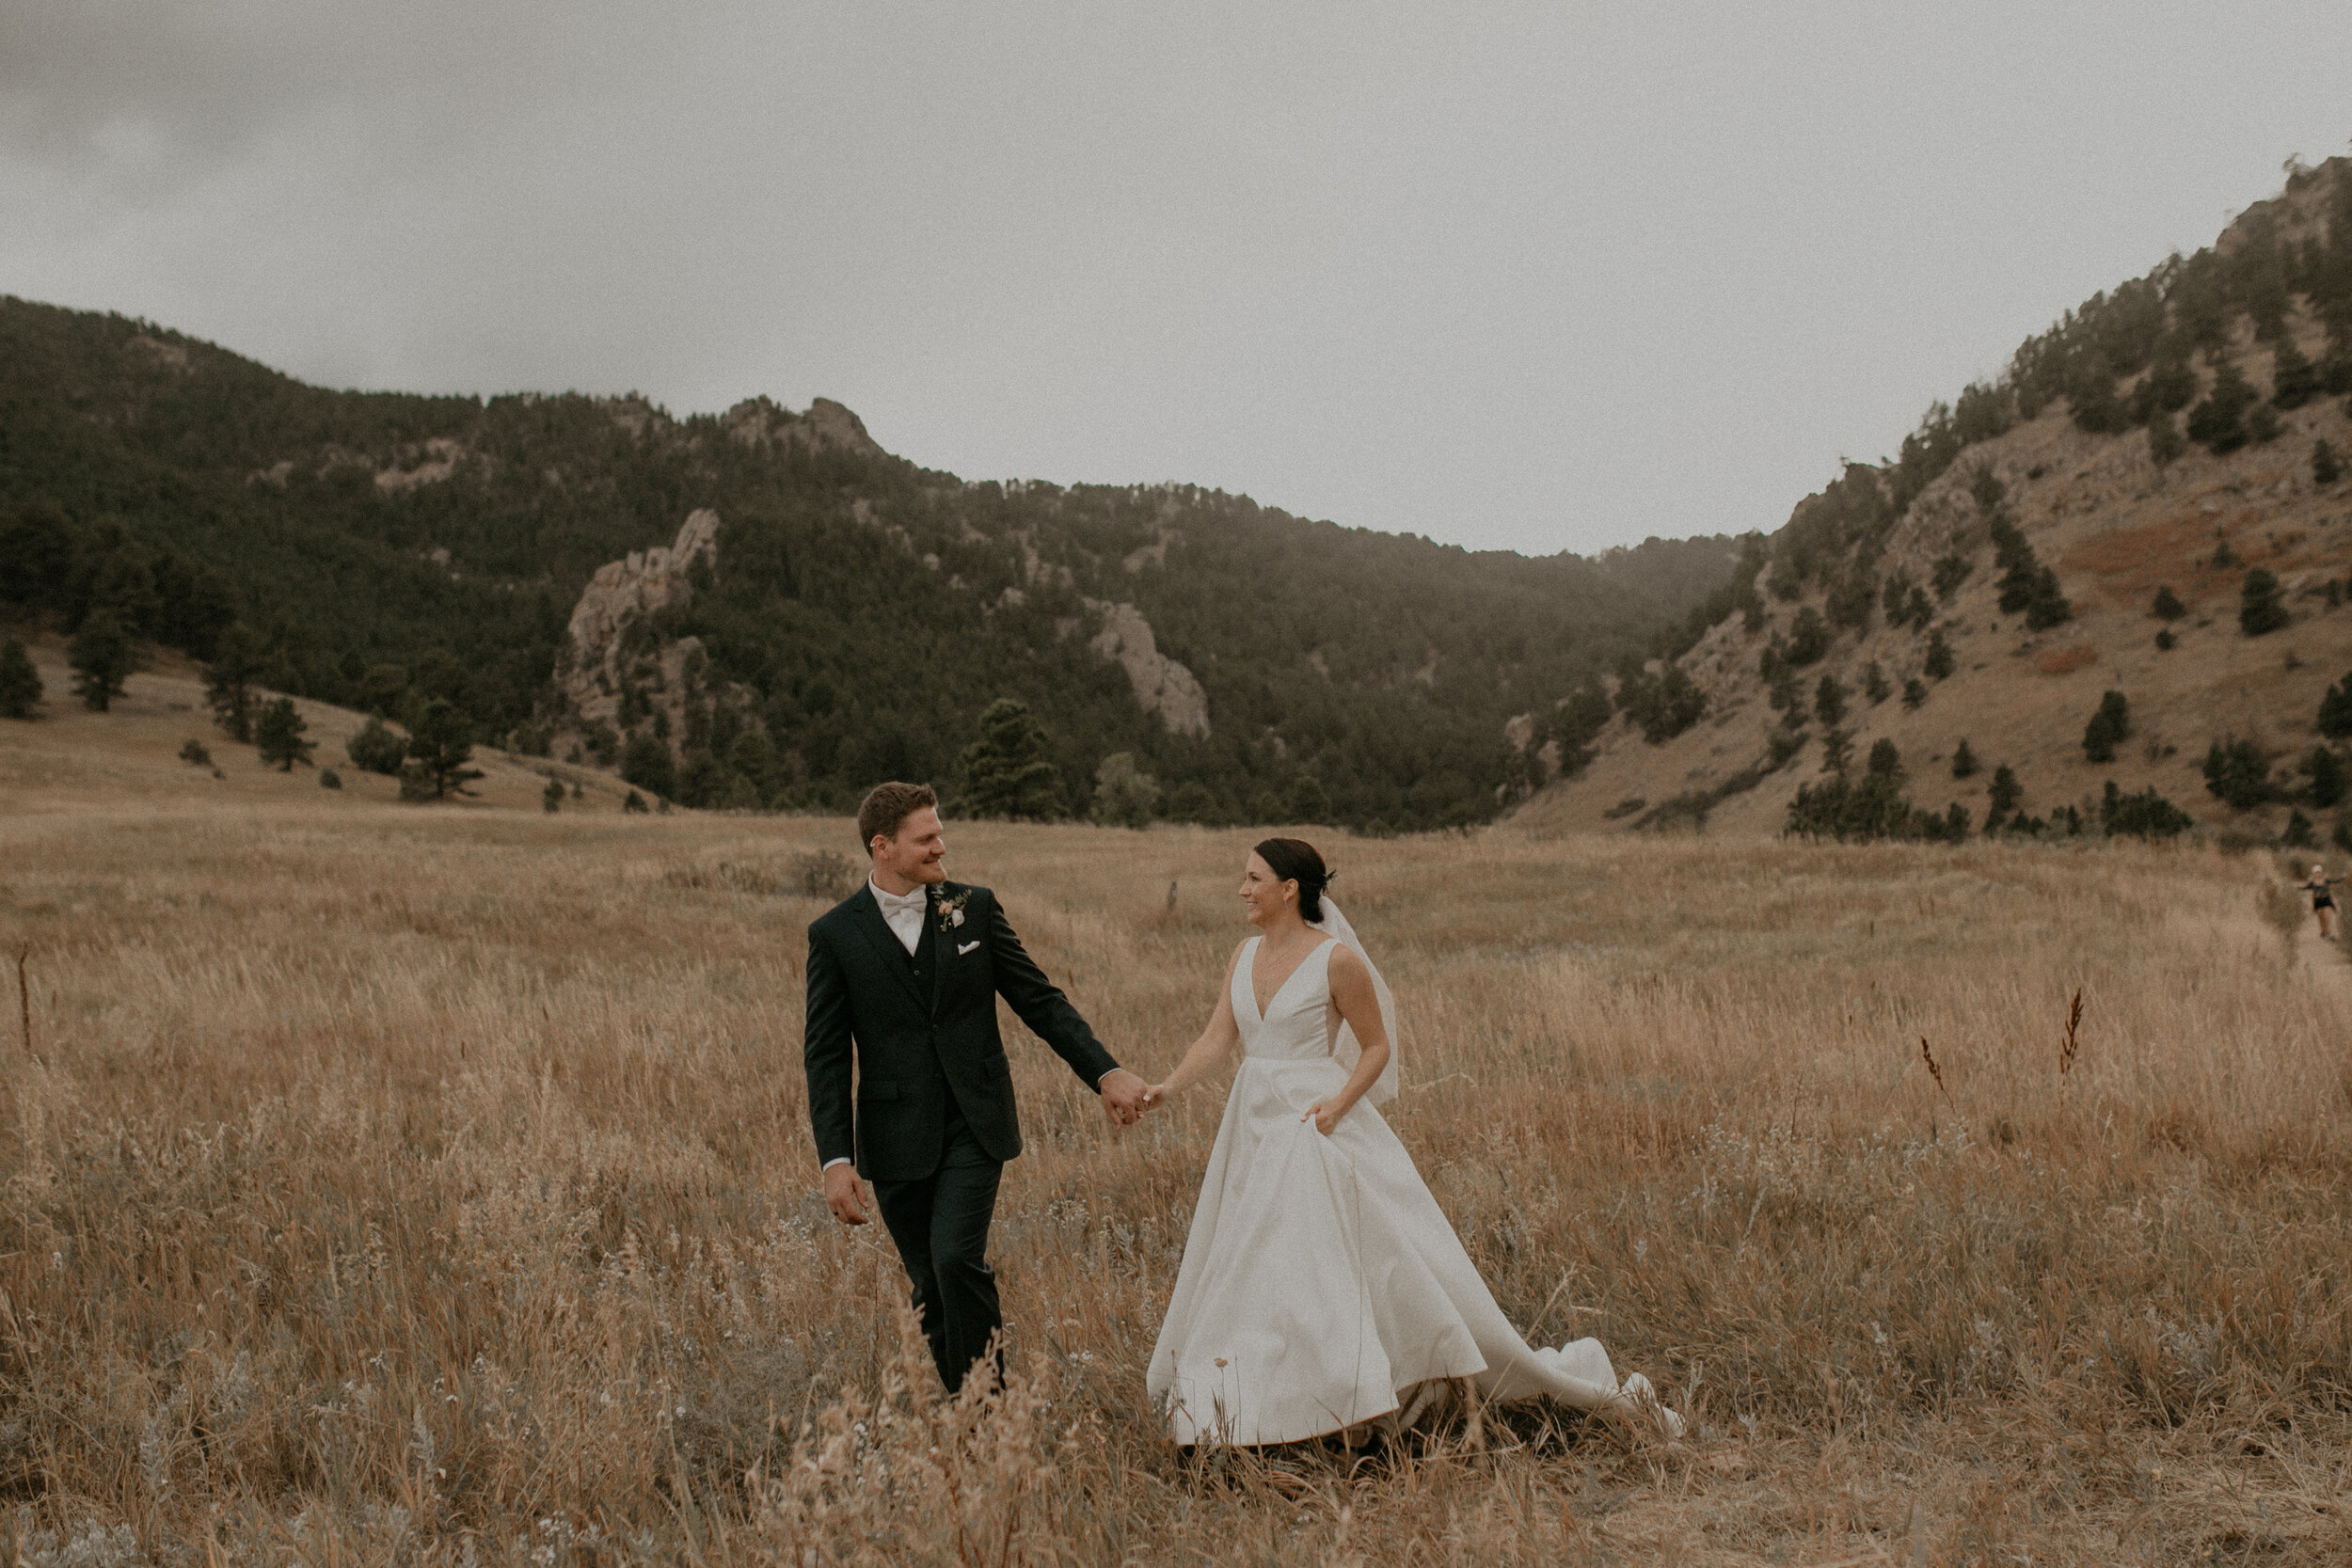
(1264, 895)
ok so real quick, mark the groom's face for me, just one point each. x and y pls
(915, 853)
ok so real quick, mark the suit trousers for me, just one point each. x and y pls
(941, 1221)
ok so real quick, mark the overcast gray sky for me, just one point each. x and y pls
(1528, 277)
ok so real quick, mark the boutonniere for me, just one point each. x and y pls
(951, 910)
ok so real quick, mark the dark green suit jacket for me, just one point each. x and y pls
(922, 1032)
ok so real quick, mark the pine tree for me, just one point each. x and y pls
(2262, 608)
(1006, 773)
(1874, 684)
(648, 764)
(1885, 761)
(2294, 379)
(2165, 442)
(2219, 421)
(2335, 710)
(2325, 466)
(102, 659)
(229, 681)
(2005, 791)
(20, 683)
(2326, 770)
(442, 747)
(277, 735)
(1940, 662)
(552, 798)
(1915, 692)
(1964, 761)
(2167, 605)
(1828, 700)
(1306, 801)
(2109, 728)
(1836, 750)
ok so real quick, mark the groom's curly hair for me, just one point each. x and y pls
(1295, 859)
(887, 805)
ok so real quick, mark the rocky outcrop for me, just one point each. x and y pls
(827, 425)
(597, 664)
(1162, 685)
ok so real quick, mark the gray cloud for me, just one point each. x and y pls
(1541, 278)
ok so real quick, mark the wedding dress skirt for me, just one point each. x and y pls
(1321, 1282)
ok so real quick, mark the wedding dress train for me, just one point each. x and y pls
(1321, 1282)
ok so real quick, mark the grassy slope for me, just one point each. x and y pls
(68, 758)
(2114, 526)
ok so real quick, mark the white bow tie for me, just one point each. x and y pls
(891, 901)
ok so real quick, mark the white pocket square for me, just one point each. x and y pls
(963, 948)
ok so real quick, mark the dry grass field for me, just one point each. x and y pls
(415, 1185)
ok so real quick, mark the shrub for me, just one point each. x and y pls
(1265, 807)
(1885, 761)
(329, 779)
(2262, 428)
(195, 752)
(2146, 815)
(2262, 608)
(1871, 807)
(20, 683)
(1191, 801)
(1940, 662)
(2165, 442)
(2165, 640)
(1964, 761)
(1782, 745)
(2168, 605)
(648, 764)
(2341, 836)
(376, 748)
(2025, 584)
(277, 735)
(1836, 750)
(2109, 728)
(552, 798)
(528, 741)
(1124, 794)
(2325, 466)
(2236, 775)
(1915, 692)
(1874, 685)
(2298, 833)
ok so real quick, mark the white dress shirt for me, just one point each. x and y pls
(903, 913)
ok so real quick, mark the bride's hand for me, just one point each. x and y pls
(1325, 1114)
(1154, 1096)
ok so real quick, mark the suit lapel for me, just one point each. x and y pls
(887, 945)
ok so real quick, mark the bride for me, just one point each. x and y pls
(1322, 1288)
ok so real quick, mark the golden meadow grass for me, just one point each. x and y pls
(412, 1186)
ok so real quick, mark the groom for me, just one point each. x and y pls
(903, 975)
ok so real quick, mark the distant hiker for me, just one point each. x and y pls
(2323, 902)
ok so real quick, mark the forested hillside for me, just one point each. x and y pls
(858, 615)
(2102, 592)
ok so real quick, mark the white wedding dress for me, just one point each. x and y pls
(1321, 1282)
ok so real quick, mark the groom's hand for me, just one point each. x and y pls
(1125, 1097)
(843, 1194)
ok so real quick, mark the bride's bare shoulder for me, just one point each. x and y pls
(1345, 963)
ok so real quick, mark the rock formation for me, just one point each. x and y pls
(1162, 685)
(596, 665)
(758, 422)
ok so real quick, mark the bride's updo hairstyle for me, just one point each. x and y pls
(1295, 859)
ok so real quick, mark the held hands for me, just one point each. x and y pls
(1125, 1097)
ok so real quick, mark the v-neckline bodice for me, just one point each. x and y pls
(1265, 1010)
